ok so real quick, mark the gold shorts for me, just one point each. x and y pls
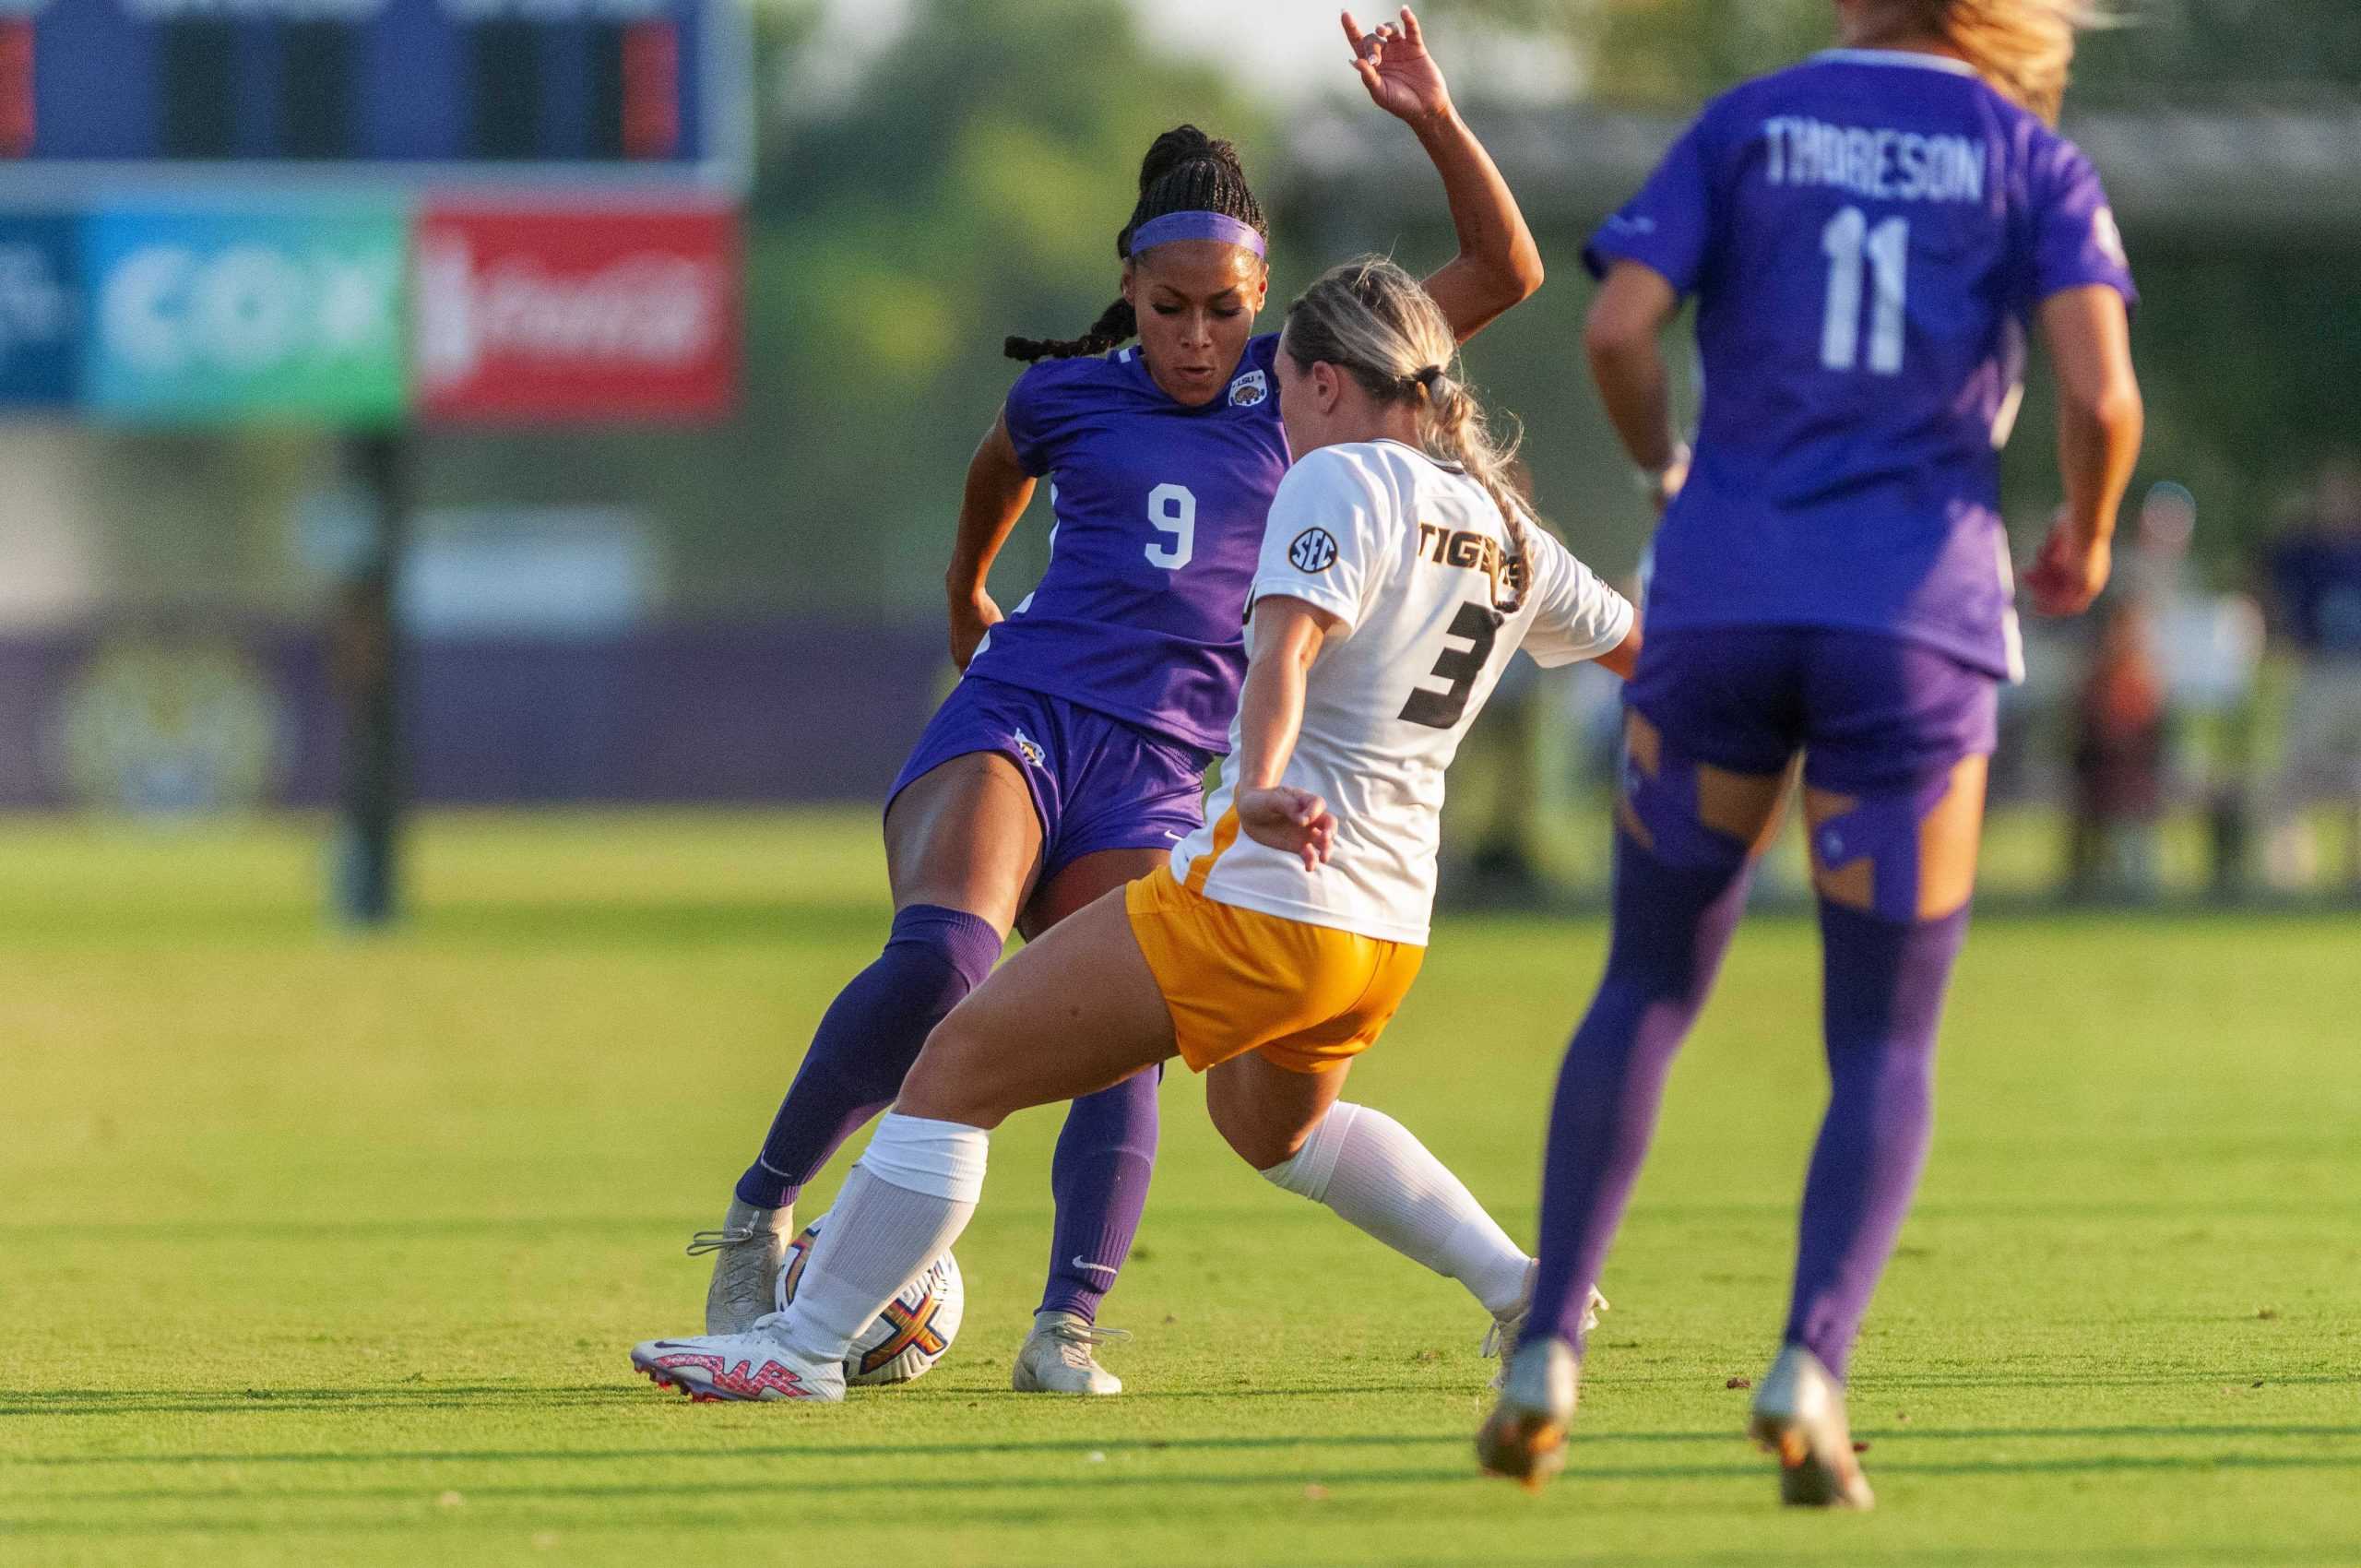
(1307, 998)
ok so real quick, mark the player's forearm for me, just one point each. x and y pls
(2098, 444)
(1637, 391)
(2100, 416)
(995, 497)
(1270, 717)
(1499, 263)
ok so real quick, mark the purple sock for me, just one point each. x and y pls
(872, 1032)
(1672, 924)
(1099, 1180)
(1883, 998)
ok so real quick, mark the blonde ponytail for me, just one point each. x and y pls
(1374, 320)
(2023, 48)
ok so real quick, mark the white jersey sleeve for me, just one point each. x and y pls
(1329, 539)
(1575, 616)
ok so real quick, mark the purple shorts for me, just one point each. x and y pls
(1872, 714)
(1097, 783)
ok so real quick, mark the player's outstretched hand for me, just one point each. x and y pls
(970, 619)
(2070, 571)
(1294, 820)
(1402, 78)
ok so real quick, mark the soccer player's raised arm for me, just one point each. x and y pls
(1622, 339)
(1499, 265)
(997, 492)
(2100, 420)
(1286, 635)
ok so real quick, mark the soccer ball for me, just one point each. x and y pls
(914, 1331)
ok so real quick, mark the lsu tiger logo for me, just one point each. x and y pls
(1248, 389)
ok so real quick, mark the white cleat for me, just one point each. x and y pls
(1799, 1416)
(748, 1251)
(751, 1366)
(1524, 1438)
(1500, 1340)
(1058, 1358)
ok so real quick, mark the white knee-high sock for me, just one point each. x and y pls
(1367, 1168)
(904, 1203)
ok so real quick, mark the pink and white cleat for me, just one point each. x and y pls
(753, 1365)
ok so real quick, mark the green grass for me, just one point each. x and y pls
(319, 1248)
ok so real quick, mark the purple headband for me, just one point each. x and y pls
(1196, 226)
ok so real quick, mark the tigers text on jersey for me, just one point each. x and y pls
(1159, 511)
(1867, 234)
(1409, 555)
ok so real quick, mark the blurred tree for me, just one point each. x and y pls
(1672, 52)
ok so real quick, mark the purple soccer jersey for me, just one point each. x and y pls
(1867, 234)
(1159, 512)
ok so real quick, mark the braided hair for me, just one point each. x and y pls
(1185, 170)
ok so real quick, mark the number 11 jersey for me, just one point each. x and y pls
(1158, 512)
(1413, 558)
(1866, 235)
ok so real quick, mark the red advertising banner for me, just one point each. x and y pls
(534, 316)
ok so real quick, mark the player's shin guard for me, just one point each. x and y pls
(866, 1043)
(1099, 1178)
(1672, 924)
(900, 1209)
(1884, 986)
(1370, 1170)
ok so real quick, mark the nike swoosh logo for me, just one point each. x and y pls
(1174, 836)
(1094, 1267)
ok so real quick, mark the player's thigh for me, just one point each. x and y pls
(1074, 1012)
(1903, 853)
(1265, 1111)
(1083, 881)
(965, 836)
(1900, 751)
(1712, 728)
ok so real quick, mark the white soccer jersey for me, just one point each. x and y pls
(1410, 556)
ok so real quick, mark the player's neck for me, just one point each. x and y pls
(1899, 37)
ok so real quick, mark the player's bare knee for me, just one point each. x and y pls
(952, 1079)
(1248, 1125)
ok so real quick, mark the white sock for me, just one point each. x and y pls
(905, 1203)
(1367, 1168)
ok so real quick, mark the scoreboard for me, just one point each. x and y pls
(574, 92)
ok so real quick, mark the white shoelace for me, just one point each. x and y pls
(1077, 1340)
(706, 1241)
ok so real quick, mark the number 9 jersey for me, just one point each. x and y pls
(1413, 558)
(1866, 235)
(1158, 512)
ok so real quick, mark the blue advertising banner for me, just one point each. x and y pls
(204, 315)
(41, 311)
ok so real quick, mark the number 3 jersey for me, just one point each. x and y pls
(1158, 512)
(1866, 235)
(1414, 559)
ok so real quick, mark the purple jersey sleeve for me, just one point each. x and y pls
(1029, 417)
(2075, 241)
(1666, 227)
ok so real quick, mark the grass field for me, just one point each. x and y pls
(321, 1249)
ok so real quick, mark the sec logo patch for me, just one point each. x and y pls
(1314, 549)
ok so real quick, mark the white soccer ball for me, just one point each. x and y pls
(914, 1331)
